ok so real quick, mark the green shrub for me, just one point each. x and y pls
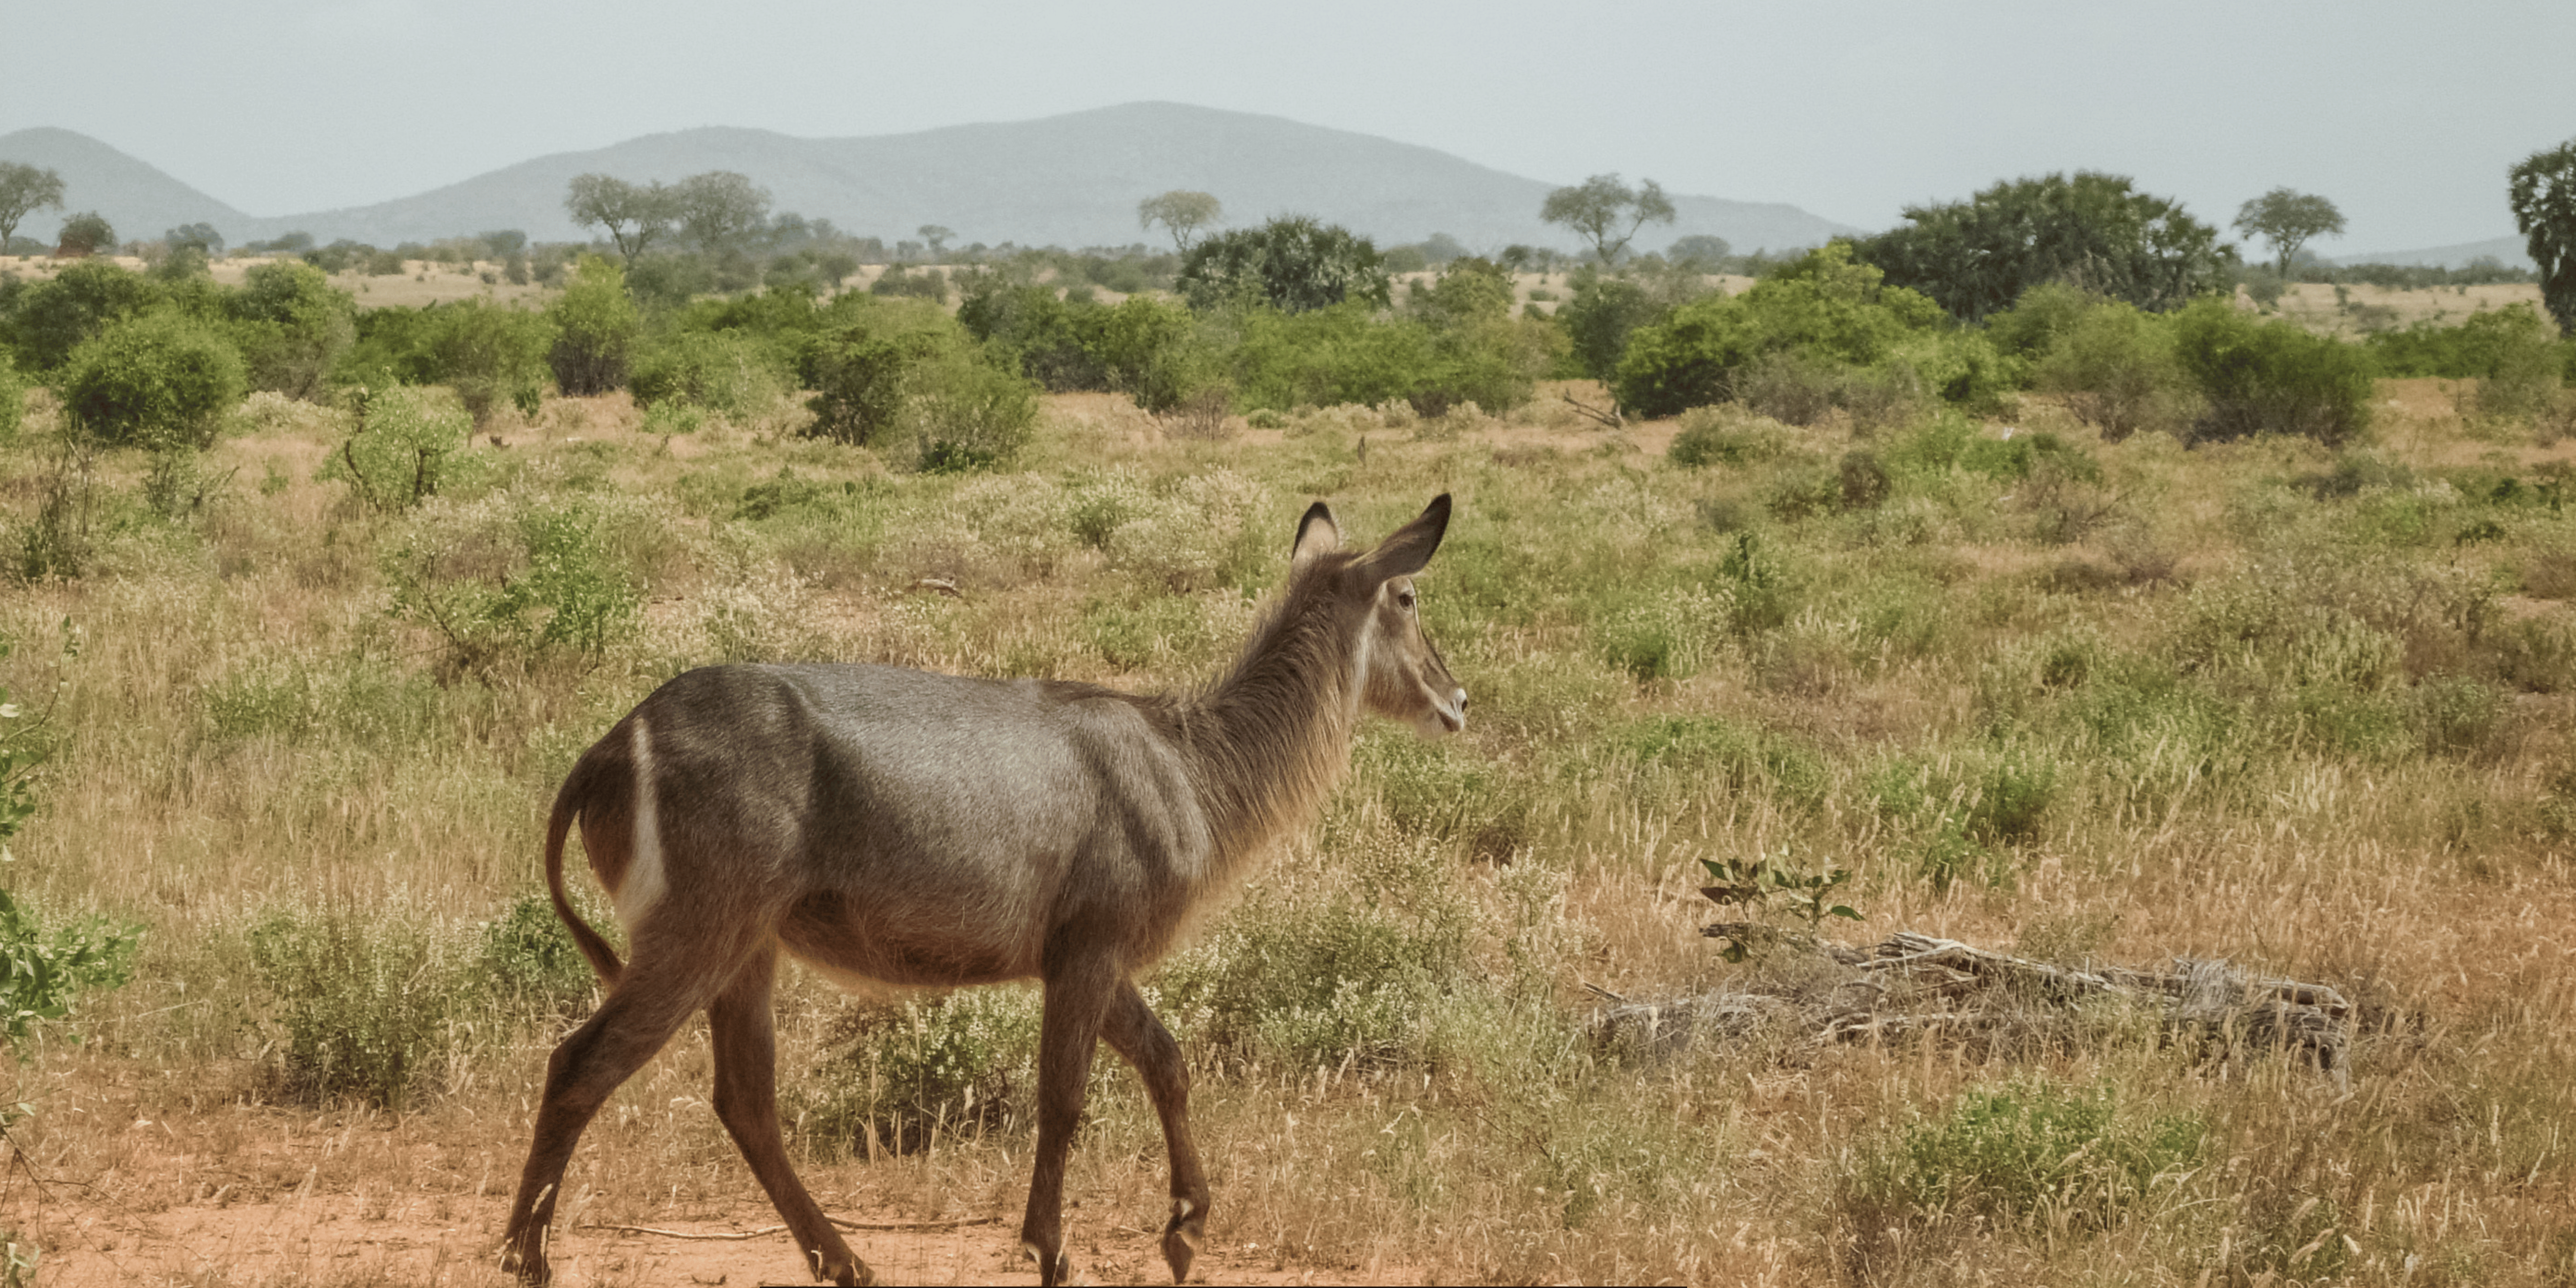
(2482, 346)
(408, 441)
(1831, 313)
(1711, 436)
(527, 960)
(489, 353)
(962, 1064)
(595, 325)
(292, 325)
(732, 373)
(1665, 633)
(365, 1001)
(2117, 370)
(2271, 377)
(927, 284)
(1292, 264)
(2022, 1154)
(964, 413)
(45, 966)
(514, 576)
(862, 368)
(1148, 349)
(13, 400)
(1354, 973)
(161, 380)
(51, 318)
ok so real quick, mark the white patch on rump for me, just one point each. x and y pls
(645, 883)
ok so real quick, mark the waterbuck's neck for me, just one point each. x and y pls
(1269, 739)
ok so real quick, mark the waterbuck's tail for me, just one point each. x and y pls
(580, 788)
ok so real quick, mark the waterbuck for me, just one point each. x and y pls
(909, 828)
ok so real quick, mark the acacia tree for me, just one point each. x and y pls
(2542, 191)
(2094, 230)
(937, 235)
(2287, 220)
(718, 210)
(23, 189)
(1607, 212)
(1182, 213)
(635, 215)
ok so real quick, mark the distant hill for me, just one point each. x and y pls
(1071, 180)
(2514, 251)
(139, 200)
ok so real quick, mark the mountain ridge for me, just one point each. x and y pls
(1072, 180)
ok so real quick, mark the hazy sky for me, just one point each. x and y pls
(2404, 113)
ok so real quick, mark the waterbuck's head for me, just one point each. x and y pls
(1399, 673)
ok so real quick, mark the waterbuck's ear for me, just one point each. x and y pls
(1408, 548)
(1317, 534)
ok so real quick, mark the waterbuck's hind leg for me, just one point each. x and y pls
(655, 994)
(1079, 995)
(746, 1052)
(1132, 1031)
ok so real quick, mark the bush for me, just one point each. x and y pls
(52, 318)
(963, 1063)
(513, 577)
(862, 369)
(2271, 377)
(292, 326)
(45, 967)
(13, 400)
(366, 999)
(2020, 1153)
(527, 958)
(161, 380)
(1292, 263)
(488, 353)
(407, 437)
(1712, 437)
(1832, 314)
(594, 323)
(2117, 369)
(964, 413)
(732, 373)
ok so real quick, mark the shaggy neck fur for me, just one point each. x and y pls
(1270, 738)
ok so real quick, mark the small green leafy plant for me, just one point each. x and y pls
(1753, 883)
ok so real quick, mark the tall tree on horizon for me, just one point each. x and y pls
(1607, 212)
(25, 189)
(2542, 191)
(2288, 220)
(635, 215)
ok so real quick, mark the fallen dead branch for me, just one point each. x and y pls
(1607, 419)
(736, 1236)
(1911, 983)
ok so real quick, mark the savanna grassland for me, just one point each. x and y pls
(2083, 700)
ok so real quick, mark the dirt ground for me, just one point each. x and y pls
(133, 1175)
(244, 1195)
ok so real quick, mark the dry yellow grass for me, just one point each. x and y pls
(2433, 887)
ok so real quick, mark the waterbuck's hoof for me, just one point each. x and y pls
(527, 1268)
(1182, 1237)
(853, 1273)
(1051, 1270)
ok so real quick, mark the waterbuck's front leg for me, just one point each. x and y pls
(746, 1049)
(1079, 992)
(1133, 1032)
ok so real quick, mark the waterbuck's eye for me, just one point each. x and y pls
(1404, 600)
